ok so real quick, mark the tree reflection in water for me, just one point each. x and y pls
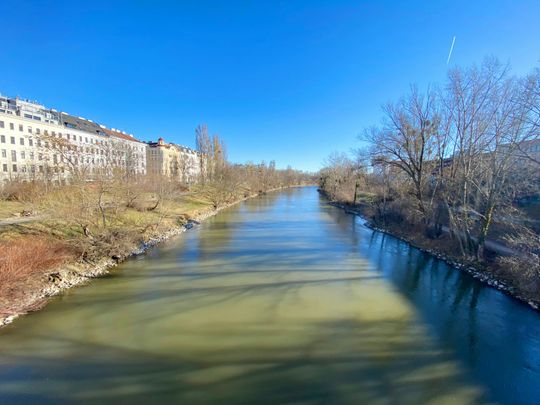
(281, 299)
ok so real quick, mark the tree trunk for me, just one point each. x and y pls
(355, 191)
(488, 219)
(102, 210)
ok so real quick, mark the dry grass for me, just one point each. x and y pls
(24, 259)
(23, 191)
(9, 208)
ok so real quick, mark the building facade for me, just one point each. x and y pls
(174, 161)
(41, 143)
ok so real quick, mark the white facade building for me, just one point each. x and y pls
(41, 143)
(36, 142)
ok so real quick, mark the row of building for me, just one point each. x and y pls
(41, 143)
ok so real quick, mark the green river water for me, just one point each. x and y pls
(280, 299)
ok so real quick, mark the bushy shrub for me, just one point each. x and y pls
(24, 258)
(23, 191)
(524, 266)
(109, 242)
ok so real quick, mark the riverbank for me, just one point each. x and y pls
(34, 292)
(279, 291)
(487, 272)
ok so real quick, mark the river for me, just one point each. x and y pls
(282, 298)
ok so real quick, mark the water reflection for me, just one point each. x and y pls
(497, 338)
(281, 299)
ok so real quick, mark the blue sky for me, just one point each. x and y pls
(284, 80)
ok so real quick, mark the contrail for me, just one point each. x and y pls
(451, 49)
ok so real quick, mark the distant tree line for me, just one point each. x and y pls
(220, 180)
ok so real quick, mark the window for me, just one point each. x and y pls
(39, 143)
(4, 167)
(21, 128)
(14, 168)
(1, 124)
(23, 155)
(41, 169)
(13, 156)
(21, 141)
(38, 131)
(23, 169)
(40, 156)
(4, 153)
(31, 155)
(29, 130)
(12, 126)
(3, 138)
(12, 140)
(30, 142)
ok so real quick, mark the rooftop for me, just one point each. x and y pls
(39, 112)
(21, 106)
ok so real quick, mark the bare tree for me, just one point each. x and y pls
(204, 147)
(338, 177)
(458, 156)
(406, 139)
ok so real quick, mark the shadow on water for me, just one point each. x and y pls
(376, 367)
(281, 299)
(496, 337)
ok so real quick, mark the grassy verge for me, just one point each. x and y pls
(70, 238)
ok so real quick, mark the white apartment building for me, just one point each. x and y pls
(36, 142)
(174, 161)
